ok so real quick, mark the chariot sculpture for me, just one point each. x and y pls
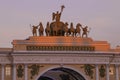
(60, 28)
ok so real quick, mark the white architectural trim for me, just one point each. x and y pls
(3, 72)
(65, 58)
(97, 72)
(14, 72)
(107, 72)
(26, 71)
(117, 71)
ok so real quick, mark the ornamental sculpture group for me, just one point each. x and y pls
(59, 28)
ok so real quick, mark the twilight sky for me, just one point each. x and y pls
(102, 16)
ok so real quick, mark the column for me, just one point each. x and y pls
(3, 72)
(14, 72)
(117, 71)
(107, 71)
(97, 72)
(26, 72)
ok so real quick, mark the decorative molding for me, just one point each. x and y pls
(64, 58)
(102, 71)
(34, 70)
(4, 60)
(88, 69)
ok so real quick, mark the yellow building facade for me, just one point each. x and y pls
(59, 58)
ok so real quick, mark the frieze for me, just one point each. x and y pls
(67, 58)
(116, 60)
(4, 60)
(62, 59)
(61, 48)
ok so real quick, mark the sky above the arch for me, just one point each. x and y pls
(102, 16)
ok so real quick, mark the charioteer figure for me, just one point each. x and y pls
(56, 16)
(57, 26)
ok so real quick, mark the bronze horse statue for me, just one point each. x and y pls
(78, 30)
(74, 32)
(66, 29)
(71, 30)
(41, 29)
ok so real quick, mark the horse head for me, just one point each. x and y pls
(78, 25)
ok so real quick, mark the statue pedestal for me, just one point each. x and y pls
(84, 44)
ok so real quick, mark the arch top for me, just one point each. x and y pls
(61, 73)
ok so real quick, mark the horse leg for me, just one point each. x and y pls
(42, 33)
(67, 33)
(48, 34)
(82, 35)
(33, 33)
(75, 34)
(54, 33)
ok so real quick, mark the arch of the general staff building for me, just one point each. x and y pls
(65, 53)
(19, 63)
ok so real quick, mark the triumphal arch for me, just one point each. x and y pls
(59, 51)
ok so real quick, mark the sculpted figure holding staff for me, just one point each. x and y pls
(56, 16)
(57, 26)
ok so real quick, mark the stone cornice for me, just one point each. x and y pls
(4, 59)
(66, 58)
(60, 57)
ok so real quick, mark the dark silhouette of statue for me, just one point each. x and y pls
(41, 29)
(56, 16)
(66, 29)
(56, 26)
(60, 28)
(72, 30)
(78, 30)
(47, 29)
(85, 31)
(34, 30)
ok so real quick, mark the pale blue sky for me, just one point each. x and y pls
(102, 16)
